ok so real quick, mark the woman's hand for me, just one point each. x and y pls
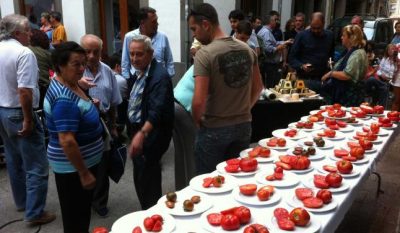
(326, 76)
(88, 181)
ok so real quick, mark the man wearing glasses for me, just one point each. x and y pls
(227, 85)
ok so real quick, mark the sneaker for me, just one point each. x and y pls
(46, 217)
(102, 212)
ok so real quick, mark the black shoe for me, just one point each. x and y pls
(102, 212)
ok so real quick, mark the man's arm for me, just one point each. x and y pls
(256, 86)
(199, 98)
(125, 60)
(25, 99)
(169, 61)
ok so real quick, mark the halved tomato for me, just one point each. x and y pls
(319, 182)
(313, 202)
(285, 166)
(340, 152)
(303, 193)
(248, 189)
(232, 168)
(286, 224)
(280, 213)
(329, 168)
(214, 219)
(349, 158)
(235, 161)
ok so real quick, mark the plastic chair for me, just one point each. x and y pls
(183, 136)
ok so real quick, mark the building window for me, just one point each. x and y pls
(34, 8)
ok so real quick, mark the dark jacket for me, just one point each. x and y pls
(157, 104)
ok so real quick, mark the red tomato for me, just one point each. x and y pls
(340, 152)
(207, 182)
(244, 214)
(300, 216)
(270, 177)
(263, 194)
(393, 114)
(255, 228)
(344, 166)
(367, 109)
(325, 195)
(333, 127)
(233, 161)
(384, 120)
(285, 166)
(280, 213)
(308, 125)
(157, 217)
(313, 202)
(357, 152)
(341, 124)
(271, 144)
(157, 226)
(329, 168)
(378, 109)
(300, 163)
(217, 181)
(264, 152)
(214, 219)
(102, 230)
(303, 193)
(349, 158)
(248, 189)
(230, 222)
(281, 142)
(375, 128)
(135, 230)
(278, 175)
(334, 179)
(269, 188)
(148, 223)
(337, 106)
(352, 144)
(329, 133)
(300, 124)
(365, 144)
(319, 182)
(286, 224)
(329, 121)
(249, 229)
(248, 164)
(229, 211)
(278, 170)
(232, 168)
(313, 118)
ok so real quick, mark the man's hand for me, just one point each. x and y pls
(136, 146)
(280, 47)
(307, 67)
(27, 127)
(86, 83)
(87, 179)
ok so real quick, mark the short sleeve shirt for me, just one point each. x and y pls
(59, 34)
(228, 64)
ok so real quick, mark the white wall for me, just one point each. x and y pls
(223, 9)
(7, 7)
(73, 19)
(169, 20)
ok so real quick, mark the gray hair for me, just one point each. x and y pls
(12, 23)
(143, 39)
(93, 37)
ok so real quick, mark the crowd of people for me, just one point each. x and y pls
(82, 94)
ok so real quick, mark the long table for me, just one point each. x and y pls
(263, 214)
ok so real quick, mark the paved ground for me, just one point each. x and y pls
(368, 214)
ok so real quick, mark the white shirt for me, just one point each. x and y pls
(18, 69)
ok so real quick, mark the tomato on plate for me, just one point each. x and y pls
(230, 222)
(248, 164)
(319, 182)
(248, 189)
(349, 158)
(207, 182)
(334, 179)
(286, 224)
(280, 213)
(344, 166)
(235, 161)
(341, 124)
(104, 230)
(214, 219)
(352, 144)
(229, 211)
(329, 168)
(300, 216)
(285, 166)
(329, 133)
(303, 193)
(157, 217)
(255, 228)
(325, 195)
(263, 194)
(340, 152)
(135, 230)
(313, 202)
(243, 213)
(234, 168)
(357, 152)
(148, 223)
(157, 227)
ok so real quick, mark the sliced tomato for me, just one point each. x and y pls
(233, 161)
(303, 193)
(353, 144)
(285, 158)
(329, 168)
(340, 152)
(286, 224)
(214, 219)
(285, 166)
(232, 168)
(271, 144)
(350, 158)
(313, 202)
(319, 182)
(229, 211)
(341, 124)
(248, 189)
(280, 213)
(207, 182)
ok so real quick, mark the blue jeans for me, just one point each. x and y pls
(27, 164)
(214, 145)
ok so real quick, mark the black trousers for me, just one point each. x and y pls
(75, 202)
(100, 193)
(147, 169)
(273, 74)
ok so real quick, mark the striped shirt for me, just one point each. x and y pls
(67, 112)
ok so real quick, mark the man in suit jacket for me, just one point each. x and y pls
(151, 116)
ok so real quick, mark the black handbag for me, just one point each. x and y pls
(117, 163)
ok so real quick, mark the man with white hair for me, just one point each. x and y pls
(151, 117)
(107, 92)
(20, 127)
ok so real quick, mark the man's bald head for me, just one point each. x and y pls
(317, 23)
(93, 46)
(91, 39)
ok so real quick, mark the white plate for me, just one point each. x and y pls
(245, 153)
(379, 140)
(196, 183)
(310, 168)
(328, 144)
(324, 106)
(347, 116)
(313, 112)
(318, 154)
(313, 226)
(204, 204)
(305, 118)
(126, 223)
(221, 169)
(253, 200)
(347, 129)
(315, 127)
(263, 143)
(280, 133)
(371, 151)
(290, 100)
(358, 162)
(294, 202)
(210, 228)
(354, 173)
(309, 183)
(384, 129)
(338, 136)
(289, 179)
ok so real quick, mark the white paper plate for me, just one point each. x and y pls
(354, 173)
(289, 179)
(204, 204)
(270, 159)
(263, 143)
(221, 169)
(310, 168)
(338, 136)
(313, 226)
(196, 183)
(328, 144)
(305, 118)
(253, 200)
(294, 202)
(315, 127)
(126, 223)
(280, 133)
(309, 183)
(358, 162)
(318, 154)
(210, 228)
(347, 116)
(379, 140)
(347, 129)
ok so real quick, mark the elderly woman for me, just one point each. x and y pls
(75, 144)
(46, 26)
(344, 84)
